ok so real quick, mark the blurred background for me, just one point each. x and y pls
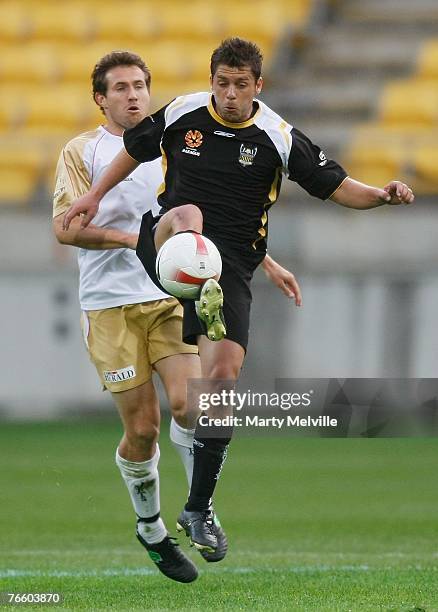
(360, 77)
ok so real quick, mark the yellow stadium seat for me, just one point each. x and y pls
(62, 21)
(11, 108)
(257, 21)
(375, 157)
(190, 21)
(380, 152)
(14, 22)
(297, 11)
(197, 59)
(167, 62)
(389, 161)
(60, 109)
(410, 101)
(16, 186)
(27, 63)
(373, 175)
(75, 65)
(113, 23)
(424, 162)
(428, 60)
(20, 168)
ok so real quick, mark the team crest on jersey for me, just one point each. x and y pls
(247, 154)
(193, 139)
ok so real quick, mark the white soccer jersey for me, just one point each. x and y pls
(108, 278)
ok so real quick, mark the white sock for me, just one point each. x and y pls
(182, 439)
(142, 480)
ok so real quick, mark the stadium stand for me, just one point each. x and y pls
(48, 49)
(365, 84)
(401, 137)
(20, 170)
(377, 125)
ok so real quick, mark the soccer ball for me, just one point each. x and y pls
(185, 262)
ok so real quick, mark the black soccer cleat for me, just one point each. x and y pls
(199, 527)
(222, 543)
(170, 559)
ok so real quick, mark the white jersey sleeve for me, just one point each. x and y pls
(113, 277)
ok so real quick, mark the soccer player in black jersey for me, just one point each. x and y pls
(224, 154)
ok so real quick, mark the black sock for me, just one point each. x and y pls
(209, 457)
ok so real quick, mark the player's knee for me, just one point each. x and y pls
(143, 435)
(185, 415)
(187, 217)
(178, 406)
(224, 371)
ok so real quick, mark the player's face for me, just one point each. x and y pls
(127, 99)
(234, 90)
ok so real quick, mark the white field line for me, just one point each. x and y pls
(126, 572)
(128, 550)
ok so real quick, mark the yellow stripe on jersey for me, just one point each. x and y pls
(162, 188)
(273, 195)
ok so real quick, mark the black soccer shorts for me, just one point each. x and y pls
(235, 281)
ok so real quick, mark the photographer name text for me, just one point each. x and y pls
(277, 422)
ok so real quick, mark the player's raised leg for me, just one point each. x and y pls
(188, 218)
(185, 218)
(137, 458)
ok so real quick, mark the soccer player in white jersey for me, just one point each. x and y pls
(130, 326)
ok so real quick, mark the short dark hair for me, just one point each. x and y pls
(237, 52)
(111, 60)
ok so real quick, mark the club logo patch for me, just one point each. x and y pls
(114, 376)
(247, 154)
(193, 139)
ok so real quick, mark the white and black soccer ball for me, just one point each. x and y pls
(185, 262)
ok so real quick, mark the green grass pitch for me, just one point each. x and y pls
(313, 524)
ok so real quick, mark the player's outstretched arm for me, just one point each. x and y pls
(283, 279)
(354, 194)
(92, 237)
(88, 205)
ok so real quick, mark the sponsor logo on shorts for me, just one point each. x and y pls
(114, 376)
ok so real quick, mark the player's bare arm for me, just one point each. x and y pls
(354, 194)
(88, 204)
(92, 237)
(283, 279)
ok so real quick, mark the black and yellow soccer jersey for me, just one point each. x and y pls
(232, 171)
